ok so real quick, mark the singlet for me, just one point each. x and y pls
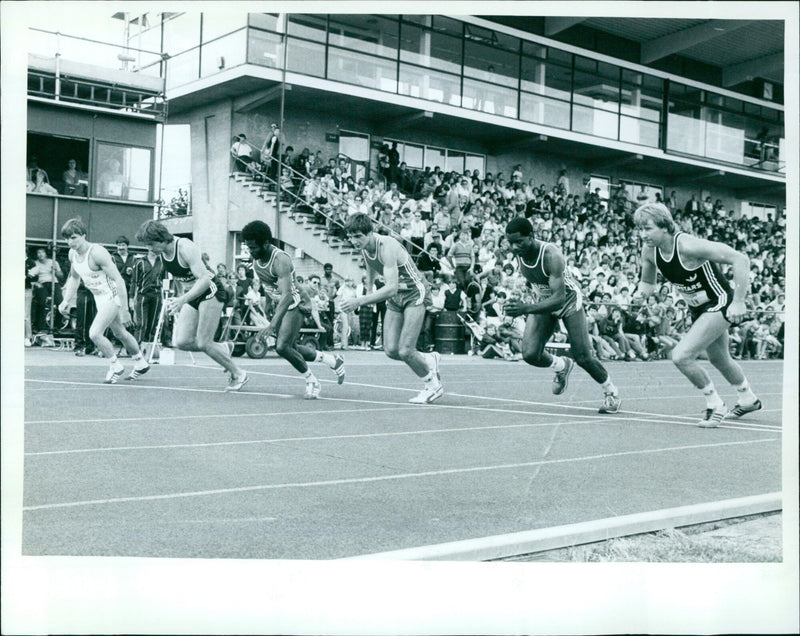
(702, 286)
(408, 276)
(540, 281)
(269, 279)
(96, 281)
(179, 272)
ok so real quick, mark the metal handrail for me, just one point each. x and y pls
(298, 199)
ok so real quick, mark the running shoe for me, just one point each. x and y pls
(743, 409)
(713, 417)
(237, 382)
(561, 378)
(137, 373)
(437, 358)
(313, 389)
(430, 393)
(114, 374)
(611, 403)
(338, 369)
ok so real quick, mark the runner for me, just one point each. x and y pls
(557, 296)
(406, 295)
(92, 264)
(198, 302)
(692, 265)
(275, 269)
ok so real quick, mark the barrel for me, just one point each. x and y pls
(450, 336)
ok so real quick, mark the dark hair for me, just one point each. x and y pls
(257, 231)
(153, 232)
(358, 224)
(73, 226)
(519, 225)
(327, 266)
(122, 239)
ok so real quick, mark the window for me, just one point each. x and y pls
(604, 183)
(122, 172)
(758, 210)
(53, 154)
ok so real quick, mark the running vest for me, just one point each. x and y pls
(178, 271)
(408, 276)
(540, 280)
(700, 286)
(269, 280)
(96, 281)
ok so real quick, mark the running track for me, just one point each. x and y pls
(170, 466)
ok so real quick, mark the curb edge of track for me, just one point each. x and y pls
(545, 539)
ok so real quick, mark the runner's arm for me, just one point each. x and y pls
(283, 269)
(104, 261)
(192, 257)
(647, 282)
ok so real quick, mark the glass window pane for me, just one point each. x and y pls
(544, 110)
(434, 158)
(548, 79)
(305, 57)
(475, 162)
(181, 32)
(217, 23)
(183, 68)
(639, 131)
(312, 27)
(425, 84)
(455, 161)
(491, 64)
(448, 25)
(490, 98)
(412, 155)
(531, 49)
(264, 48)
(596, 91)
(359, 68)
(430, 49)
(123, 172)
(263, 20)
(225, 52)
(593, 121)
(366, 33)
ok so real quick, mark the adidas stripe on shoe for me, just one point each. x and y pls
(713, 417)
(744, 409)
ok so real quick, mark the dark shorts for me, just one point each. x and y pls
(215, 291)
(408, 298)
(710, 307)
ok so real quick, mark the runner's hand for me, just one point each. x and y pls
(736, 311)
(515, 307)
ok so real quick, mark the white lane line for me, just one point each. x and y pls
(663, 418)
(380, 478)
(145, 387)
(308, 438)
(149, 418)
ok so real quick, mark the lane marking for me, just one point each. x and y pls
(132, 385)
(304, 439)
(664, 418)
(151, 418)
(383, 478)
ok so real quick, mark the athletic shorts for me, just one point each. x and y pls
(573, 304)
(710, 307)
(409, 298)
(215, 291)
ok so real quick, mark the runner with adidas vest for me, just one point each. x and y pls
(406, 295)
(692, 265)
(556, 296)
(275, 270)
(197, 304)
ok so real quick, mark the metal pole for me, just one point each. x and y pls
(53, 308)
(285, 42)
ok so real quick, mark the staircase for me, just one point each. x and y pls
(251, 200)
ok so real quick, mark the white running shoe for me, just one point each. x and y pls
(338, 368)
(138, 372)
(744, 409)
(237, 382)
(611, 403)
(313, 389)
(430, 393)
(713, 417)
(114, 374)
